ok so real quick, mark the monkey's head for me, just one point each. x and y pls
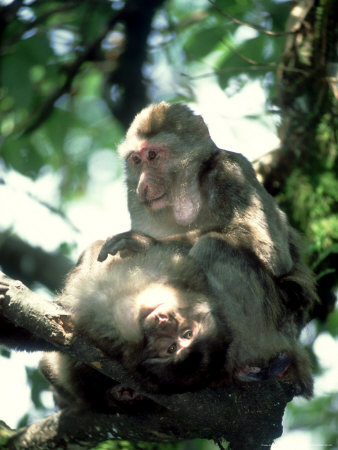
(164, 150)
(183, 343)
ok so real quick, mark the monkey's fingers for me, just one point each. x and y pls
(3, 289)
(113, 246)
(127, 244)
(104, 252)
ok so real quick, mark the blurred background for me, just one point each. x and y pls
(264, 75)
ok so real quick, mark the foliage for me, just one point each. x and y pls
(125, 445)
(52, 117)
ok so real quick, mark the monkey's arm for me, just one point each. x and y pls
(131, 242)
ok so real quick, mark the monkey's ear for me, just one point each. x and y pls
(202, 126)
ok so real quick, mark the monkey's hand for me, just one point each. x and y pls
(127, 244)
(3, 289)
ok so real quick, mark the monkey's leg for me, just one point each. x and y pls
(277, 368)
(3, 289)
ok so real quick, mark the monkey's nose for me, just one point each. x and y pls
(162, 318)
(166, 323)
(142, 188)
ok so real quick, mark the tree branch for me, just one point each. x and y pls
(128, 75)
(71, 72)
(245, 24)
(137, 20)
(248, 415)
(211, 414)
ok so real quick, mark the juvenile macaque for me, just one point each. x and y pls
(151, 307)
(179, 181)
(150, 311)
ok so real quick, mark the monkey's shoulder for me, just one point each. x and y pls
(234, 164)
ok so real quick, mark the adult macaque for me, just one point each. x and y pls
(151, 307)
(179, 181)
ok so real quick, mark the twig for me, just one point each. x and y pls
(240, 55)
(230, 69)
(245, 24)
(31, 25)
(271, 66)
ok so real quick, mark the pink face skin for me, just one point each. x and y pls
(169, 331)
(151, 162)
(155, 167)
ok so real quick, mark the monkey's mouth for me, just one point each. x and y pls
(157, 203)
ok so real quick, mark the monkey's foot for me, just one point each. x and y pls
(3, 289)
(277, 368)
(280, 365)
(124, 394)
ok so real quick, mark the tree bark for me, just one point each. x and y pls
(304, 82)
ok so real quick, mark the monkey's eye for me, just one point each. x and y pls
(152, 154)
(187, 335)
(172, 348)
(135, 159)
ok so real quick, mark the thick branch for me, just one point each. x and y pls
(49, 322)
(248, 417)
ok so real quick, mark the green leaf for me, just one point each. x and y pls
(203, 42)
(21, 155)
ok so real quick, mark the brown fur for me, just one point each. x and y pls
(238, 316)
(207, 189)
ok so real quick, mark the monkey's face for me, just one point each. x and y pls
(171, 320)
(183, 345)
(159, 179)
(148, 164)
(169, 331)
(164, 149)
